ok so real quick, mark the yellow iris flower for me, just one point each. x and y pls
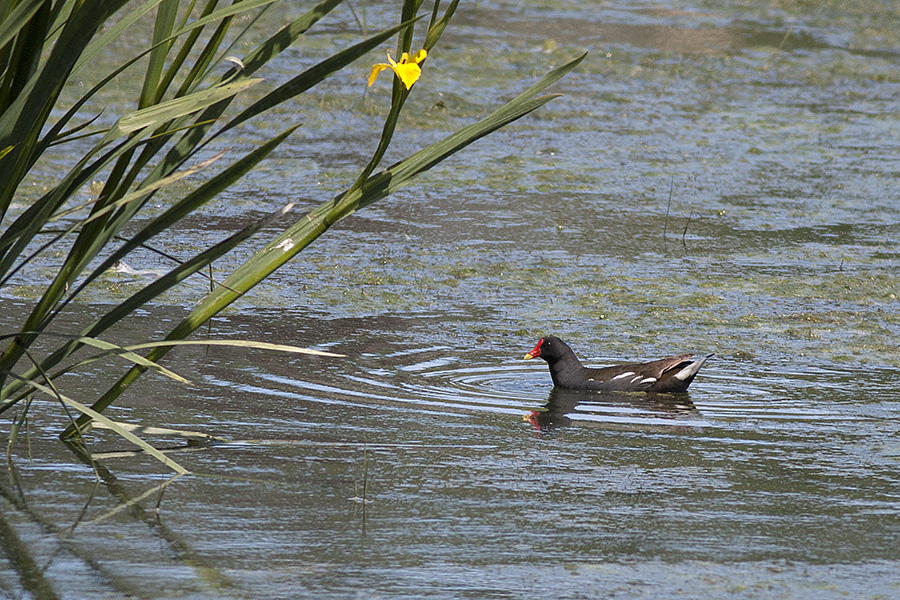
(407, 69)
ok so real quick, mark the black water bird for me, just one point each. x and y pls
(667, 375)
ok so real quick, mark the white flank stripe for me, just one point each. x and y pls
(626, 374)
(688, 370)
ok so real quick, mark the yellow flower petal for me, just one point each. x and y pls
(408, 74)
(419, 56)
(376, 69)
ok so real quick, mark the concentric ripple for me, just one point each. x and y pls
(434, 380)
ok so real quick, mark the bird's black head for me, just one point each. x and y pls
(550, 348)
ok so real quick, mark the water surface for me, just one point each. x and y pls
(718, 178)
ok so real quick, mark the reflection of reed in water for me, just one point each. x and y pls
(564, 406)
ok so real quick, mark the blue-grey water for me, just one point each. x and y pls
(719, 177)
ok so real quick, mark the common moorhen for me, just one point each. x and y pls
(672, 374)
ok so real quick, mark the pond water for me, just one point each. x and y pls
(719, 177)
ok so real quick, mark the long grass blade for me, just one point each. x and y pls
(286, 36)
(13, 23)
(237, 344)
(109, 423)
(109, 350)
(166, 13)
(127, 352)
(165, 112)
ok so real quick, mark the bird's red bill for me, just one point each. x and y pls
(536, 352)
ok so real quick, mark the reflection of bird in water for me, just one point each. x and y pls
(672, 374)
(563, 404)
